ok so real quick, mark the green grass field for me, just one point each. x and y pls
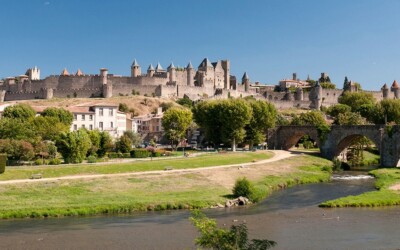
(205, 160)
(383, 196)
(147, 192)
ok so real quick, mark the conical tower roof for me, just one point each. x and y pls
(385, 86)
(65, 72)
(79, 73)
(395, 85)
(171, 66)
(159, 67)
(245, 76)
(151, 67)
(135, 63)
(189, 66)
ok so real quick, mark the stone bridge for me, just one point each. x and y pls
(332, 143)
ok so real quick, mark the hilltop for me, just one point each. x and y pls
(141, 104)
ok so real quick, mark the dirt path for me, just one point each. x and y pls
(395, 187)
(215, 173)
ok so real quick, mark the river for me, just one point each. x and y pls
(291, 217)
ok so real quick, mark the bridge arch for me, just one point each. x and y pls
(285, 137)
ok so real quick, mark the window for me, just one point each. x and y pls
(101, 125)
(100, 111)
(75, 127)
(83, 125)
(111, 112)
(83, 117)
(91, 127)
(112, 125)
(75, 117)
(90, 117)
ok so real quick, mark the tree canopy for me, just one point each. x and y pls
(356, 99)
(19, 111)
(62, 115)
(175, 123)
(314, 118)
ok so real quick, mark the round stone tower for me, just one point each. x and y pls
(150, 71)
(395, 89)
(385, 91)
(172, 72)
(246, 82)
(299, 94)
(135, 69)
(190, 74)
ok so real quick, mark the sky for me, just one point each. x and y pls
(269, 39)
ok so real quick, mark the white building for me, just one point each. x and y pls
(104, 117)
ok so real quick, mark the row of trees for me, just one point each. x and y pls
(25, 136)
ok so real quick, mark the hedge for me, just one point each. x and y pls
(3, 160)
(140, 153)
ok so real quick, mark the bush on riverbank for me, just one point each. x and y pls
(382, 197)
(243, 187)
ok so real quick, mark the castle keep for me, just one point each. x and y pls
(209, 80)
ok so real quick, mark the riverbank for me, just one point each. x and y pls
(387, 193)
(194, 188)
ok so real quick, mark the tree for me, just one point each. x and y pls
(95, 139)
(328, 85)
(49, 127)
(264, 117)
(106, 144)
(175, 123)
(17, 129)
(135, 138)
(62, 115)
(356, 99)
(74, 145)
(123, 107)
(19, 111)
(390, 110)
(18, 150)
(337, 109)
(349, 118)
(185, 101)
(218, 238)
(123, 144)
(207, 115)
(314, 118)
(166, 105)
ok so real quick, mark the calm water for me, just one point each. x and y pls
(290, 217)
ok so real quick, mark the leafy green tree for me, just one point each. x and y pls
(95, 139)
(328, 85)
(17, 129)
(123, 144)
(390, 110)
(356, 99)
(236, 237)
(74, 145)
(48, 127)
(62, 115)
(337, 109)
(19, 111)
(349, 118)
(185, 101)
(18, 150)
(314, 118)
(175, 122)
(123, 107)
(166, 105)
(264, 117)
(106, 144)
(207, 115)
(135, 138)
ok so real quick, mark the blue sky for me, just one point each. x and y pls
(270, 39)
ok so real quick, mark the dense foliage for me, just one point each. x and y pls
(236, 238)
(176, 122)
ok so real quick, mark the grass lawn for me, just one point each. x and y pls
(113, 195)
(381, 197)
(200, 161)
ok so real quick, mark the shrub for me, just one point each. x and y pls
(158, 153)
(113, 155)
(139, 153)
(243, 187)
(3, 160)
(55, 161)
(38, 162)
(126, 155)
(91, 159)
